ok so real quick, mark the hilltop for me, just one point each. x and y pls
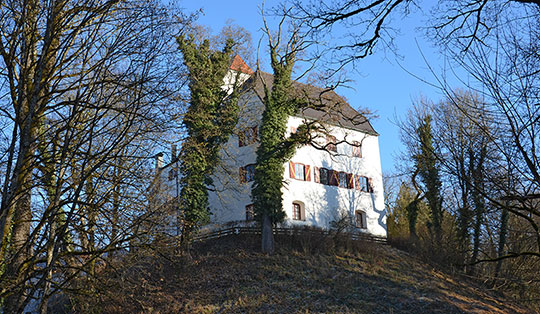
(229, 275)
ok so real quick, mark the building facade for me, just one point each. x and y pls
(336, 179)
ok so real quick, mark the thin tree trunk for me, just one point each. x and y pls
(49, 267)
(502, 240)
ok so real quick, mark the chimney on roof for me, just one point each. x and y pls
(239, 65)
(159, 161)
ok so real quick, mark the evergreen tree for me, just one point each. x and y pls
(427, 166)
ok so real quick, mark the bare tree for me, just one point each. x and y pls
(83, 85)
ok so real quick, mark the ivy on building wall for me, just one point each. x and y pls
(275, 148)
(209, 121)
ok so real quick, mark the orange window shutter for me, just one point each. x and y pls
(350, 183)
(255, 133)
(291, 170)
(308, 173)
(316, 175)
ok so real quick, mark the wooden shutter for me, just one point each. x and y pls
(255, 134)
(241, 139)
(316, 175)
(307, 173)
(357, 149)
(291, 170)
(333, 177)
(350, 182)
(357, 182)
(242, 173)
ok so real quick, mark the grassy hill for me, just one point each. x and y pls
(229, 275)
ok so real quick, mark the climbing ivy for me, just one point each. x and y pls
(275, 148)
(209, 121)
(428, 169)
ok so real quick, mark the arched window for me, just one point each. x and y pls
(250, 212)
(298, 211)
(360, 219)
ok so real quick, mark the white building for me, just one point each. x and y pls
(338, 176)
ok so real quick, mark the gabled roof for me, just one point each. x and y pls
(325, 104)
(239, 65)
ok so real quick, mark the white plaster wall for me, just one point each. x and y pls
(322, 202)
(325, 203)
(229, 199)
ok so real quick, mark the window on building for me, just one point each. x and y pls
(172, 174)
(363, 184)
(350, 181)
(248, 136)
(250, 212)
(333, 177)
(356, 149)
(323, 175)
(342, 179)
(299, 171)
(360, 219)
(247, 173)
(331, 143)
(298, 211)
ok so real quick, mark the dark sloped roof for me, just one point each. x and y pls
(324, 104)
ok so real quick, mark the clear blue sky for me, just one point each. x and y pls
(380, 84)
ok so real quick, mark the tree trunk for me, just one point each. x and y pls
(502, 241)
(267, 235)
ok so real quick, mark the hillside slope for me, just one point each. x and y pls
(230, 276)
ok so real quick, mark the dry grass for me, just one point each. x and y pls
(230, 276)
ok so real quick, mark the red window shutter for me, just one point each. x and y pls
(241, 139)
(334, 177)
(316, 175)
(242, 175)
(350, 183)
(357, 182)
(255, 134)
(291, 170)
(307, 173)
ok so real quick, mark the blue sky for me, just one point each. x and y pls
(380, 83)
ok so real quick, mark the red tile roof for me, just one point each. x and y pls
(239, 65)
